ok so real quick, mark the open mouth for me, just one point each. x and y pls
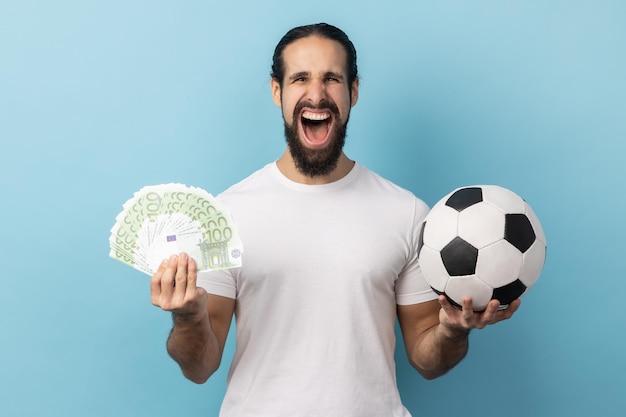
(316, 126)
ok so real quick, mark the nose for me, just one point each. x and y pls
(316, 91)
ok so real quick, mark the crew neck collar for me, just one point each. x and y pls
(342, 182)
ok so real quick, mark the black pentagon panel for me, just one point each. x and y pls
(459, 257)
(420, 243)
(518, 231)
(509, 292)
(465, 197)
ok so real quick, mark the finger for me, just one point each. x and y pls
(447, 306)
(192, 276)
(489, 316)
(509, 311)
(515, 305)
(155, 283)
(167, 279)
(493, 307)
(180, 283)
(467, 310)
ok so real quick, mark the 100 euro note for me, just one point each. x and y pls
(167, 219)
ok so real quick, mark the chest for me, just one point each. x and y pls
(307, 243)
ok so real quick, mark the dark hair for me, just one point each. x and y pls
(323, 30)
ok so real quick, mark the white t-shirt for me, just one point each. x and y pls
(323, 269)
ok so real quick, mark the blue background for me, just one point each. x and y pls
(98, 98)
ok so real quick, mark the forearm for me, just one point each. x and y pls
(192, 343)
(439, 350)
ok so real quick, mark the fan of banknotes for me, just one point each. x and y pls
(166, 219)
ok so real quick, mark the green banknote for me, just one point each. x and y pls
(166, 219)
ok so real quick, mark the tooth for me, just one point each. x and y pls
(315, 116)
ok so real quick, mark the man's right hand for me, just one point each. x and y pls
(200, 327)
(173, 288)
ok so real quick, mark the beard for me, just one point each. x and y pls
(316, 162)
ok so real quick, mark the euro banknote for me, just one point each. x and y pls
(161, 220)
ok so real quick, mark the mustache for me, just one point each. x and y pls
(322, 105)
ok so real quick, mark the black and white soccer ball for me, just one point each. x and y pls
(482, 241)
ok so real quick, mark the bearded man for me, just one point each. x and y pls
(330, 262)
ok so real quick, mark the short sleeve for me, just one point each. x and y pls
(221, 283)
(411, 286)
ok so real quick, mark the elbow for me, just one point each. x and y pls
(434, 369)
(431, 374)
(197, 370)
(197, 377)
(198, 374)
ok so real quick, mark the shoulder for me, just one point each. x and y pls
(251, 180)
(382, 188)
(258, 180)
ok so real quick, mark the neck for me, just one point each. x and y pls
(287, 167)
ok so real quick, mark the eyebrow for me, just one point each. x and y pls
(327, 74)
(333, 74)
(299, 75)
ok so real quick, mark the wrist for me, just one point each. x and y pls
(453, 332)
(188, 319)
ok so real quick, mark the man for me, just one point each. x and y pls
(330, 263)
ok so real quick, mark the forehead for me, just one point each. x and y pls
(315, 54)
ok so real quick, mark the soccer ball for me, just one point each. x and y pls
(481, 241)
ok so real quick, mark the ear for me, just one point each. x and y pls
(354, 90)
(276, 96)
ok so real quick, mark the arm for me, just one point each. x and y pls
(200, 321)
(436, 334)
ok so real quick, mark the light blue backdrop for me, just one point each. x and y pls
(98, 98)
